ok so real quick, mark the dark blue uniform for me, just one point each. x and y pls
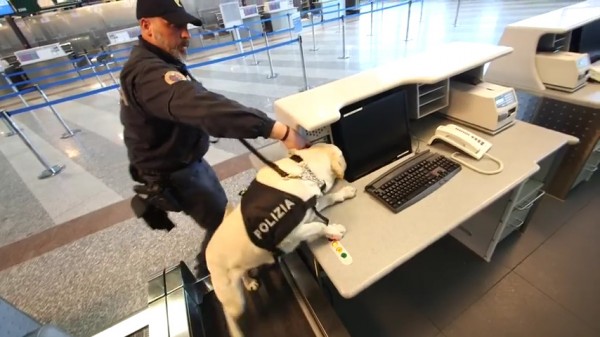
(167, 117)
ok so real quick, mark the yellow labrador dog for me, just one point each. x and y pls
(275, 215)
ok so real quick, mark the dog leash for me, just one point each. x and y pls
(282, 173)
(263, 159)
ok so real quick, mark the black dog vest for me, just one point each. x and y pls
(270, 214)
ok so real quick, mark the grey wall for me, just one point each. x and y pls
(86, 27)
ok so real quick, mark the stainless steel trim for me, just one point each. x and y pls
(529, 204)
(312, 297)
(128, 326)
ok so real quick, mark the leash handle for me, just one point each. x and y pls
(263, 159)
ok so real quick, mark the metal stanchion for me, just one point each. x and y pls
(306, 87)
(8, 133)
(371, 19)
(94, 70)
(344, 56)
(290, 25)
(69, 133)
(456, 16)
(272, 74)
(381, 16)
(408, 19)
(110, 72)
(252, 46)
(50, 170)
(421, 15)
(312, 26)
(338, 13)
(237, 36)
(15, 89)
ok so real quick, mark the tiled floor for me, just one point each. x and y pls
(71, 253)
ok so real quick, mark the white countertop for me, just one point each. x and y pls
(518, 70)
(123, 42)
(379, 240)
(44, 60)
(563, 19)
(318, 107)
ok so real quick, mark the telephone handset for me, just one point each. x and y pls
(468, 142)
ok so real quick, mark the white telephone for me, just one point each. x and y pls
(466, 141)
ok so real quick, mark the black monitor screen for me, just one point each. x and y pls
(373, 132)
(586, 39)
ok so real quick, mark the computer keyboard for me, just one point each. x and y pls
(412, 180)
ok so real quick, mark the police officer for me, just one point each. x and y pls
(168, 117)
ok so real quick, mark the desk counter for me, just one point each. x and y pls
(379, 240)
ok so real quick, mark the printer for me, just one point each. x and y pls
(562, 70)
(488, 107)
(595, 71)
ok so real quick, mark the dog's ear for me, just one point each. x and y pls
(338, 163)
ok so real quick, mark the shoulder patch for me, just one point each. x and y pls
(174, 77)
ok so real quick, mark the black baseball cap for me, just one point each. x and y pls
(170, 10)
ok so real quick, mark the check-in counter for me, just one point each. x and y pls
(46, 64)
(251, 20)
(570, 31)
(121, 41)
(281, 14)
(479, 210)
(4, 89)
(330, 10)
(196, 38)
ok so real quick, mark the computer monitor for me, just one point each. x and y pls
(586, 39)
(5, 8)
(373, 132)
(274, 5)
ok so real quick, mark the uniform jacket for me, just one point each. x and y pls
(168, 115)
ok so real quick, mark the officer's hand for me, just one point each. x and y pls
(295, 141)
(290, 138)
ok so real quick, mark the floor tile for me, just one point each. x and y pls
(566, 267)
(384, 311)
(445, 279)
(21, 214)
(515, 308)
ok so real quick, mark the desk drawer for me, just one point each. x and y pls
(594, 159)
(515, 221)
(530, 194)
(590, 166)
(586, 174)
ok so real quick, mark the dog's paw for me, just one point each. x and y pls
(348, 192)
(250, 283)
(335, 231)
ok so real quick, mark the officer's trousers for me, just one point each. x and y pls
(202, 197)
